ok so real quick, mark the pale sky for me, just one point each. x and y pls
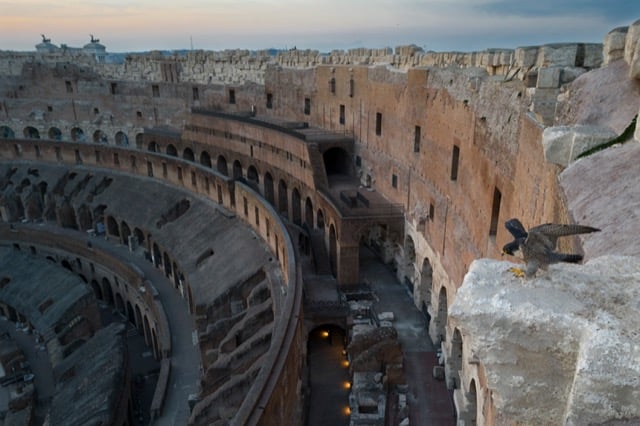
(441, 25)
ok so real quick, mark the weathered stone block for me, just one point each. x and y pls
(555, 349)
(548, 78)
(562, 144)
(614, 44)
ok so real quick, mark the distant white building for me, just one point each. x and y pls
(93, 48)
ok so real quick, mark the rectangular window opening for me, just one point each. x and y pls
(232, 96)
(455, 158)
(269, 101)
(416, 139)
(342, 114)
(307, 106)
(378, 123)
(495, 212)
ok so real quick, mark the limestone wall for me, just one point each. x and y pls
(240, 66)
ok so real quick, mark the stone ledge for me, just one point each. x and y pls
(561, 348)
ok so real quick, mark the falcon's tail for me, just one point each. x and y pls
(570, 258)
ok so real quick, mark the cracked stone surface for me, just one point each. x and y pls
(561, 348)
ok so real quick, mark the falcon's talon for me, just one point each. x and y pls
(517, 272)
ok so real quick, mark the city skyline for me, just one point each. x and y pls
(440, 25)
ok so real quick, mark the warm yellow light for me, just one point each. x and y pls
(345, 363)
(324, 334)
(346, 385)
(347, 411)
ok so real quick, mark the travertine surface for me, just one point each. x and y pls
(562, 348)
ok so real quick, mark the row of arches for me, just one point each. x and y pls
(105, 292)
(113, 292)
(161, 258)
(77, 134)
(277, 196)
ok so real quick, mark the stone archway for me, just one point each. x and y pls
(138, 314)
(157, 256)
(167, 265)
(454, 361)
(205, 159)
(237, 170)
(320, 219)
(308, 213)
(147, 331)
(425, 287)
(125, 232)
(77, 135)
(100, 137)
(131, 316)
(337, 161)
(221, 165)
(329, 392)
(7, 132)
(55, 134)
(437, 328)
(283, 198)
(153, 147)
(269, 192)
(252, 176)
(112, 227)
(296, 207)
(96, 289)
(122, 139)
(120, 303)
(139, 236)
(31, 132)
(409, 267)
(188, 155)
(172, 151)
(472, 403)
(85, 220)
(333, 250)
(107, 291)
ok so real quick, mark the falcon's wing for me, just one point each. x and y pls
(554, 230)
(514, 226)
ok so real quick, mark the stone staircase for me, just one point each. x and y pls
(317, 165)
(319, 251)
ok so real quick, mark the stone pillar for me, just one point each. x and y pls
(348, 264)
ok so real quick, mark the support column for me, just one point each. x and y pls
(348, 264)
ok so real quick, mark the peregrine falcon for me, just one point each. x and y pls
(537, 246)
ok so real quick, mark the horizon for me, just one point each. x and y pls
(433, 25)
